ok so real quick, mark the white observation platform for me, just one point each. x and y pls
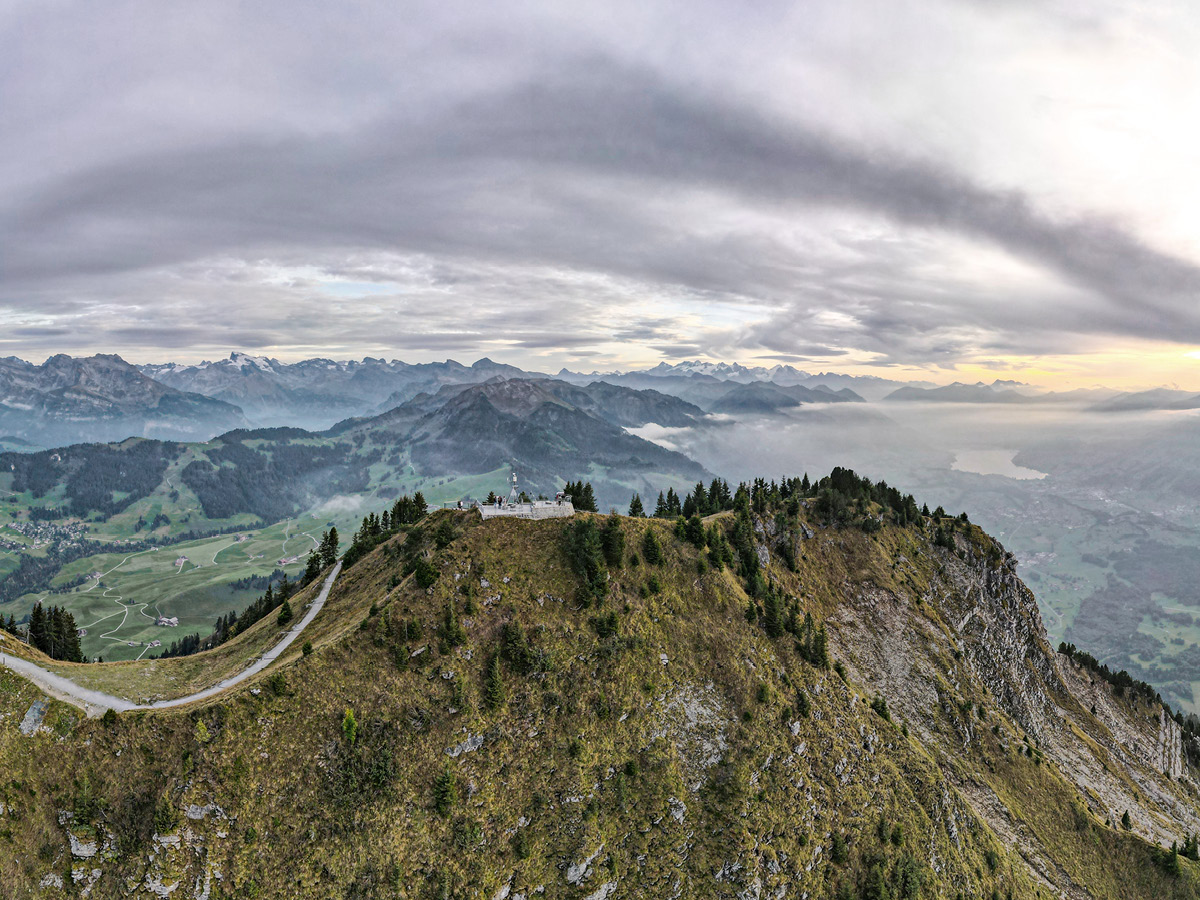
(512, 507)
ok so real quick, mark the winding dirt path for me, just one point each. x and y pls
(96, 702)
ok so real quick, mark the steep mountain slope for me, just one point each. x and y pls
(626, 407)
(534, 425)
(622, 406)
(68, 400)
(505, 732)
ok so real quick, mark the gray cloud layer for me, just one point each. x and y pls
(539, 198)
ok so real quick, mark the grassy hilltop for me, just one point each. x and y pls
(560, 711)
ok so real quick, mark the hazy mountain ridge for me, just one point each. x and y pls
(102, 398)
(959, 392)
(1004, 392)
(170, 399)
(1156, 398)
(766, 397)
(316, 393)
(695, 379)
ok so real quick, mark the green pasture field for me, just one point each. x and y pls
(125, 593)
(120, 607)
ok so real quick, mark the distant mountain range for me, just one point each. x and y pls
(315, 393)
(102, 398)
(998, 392)
(690, 377)
(1157, 398)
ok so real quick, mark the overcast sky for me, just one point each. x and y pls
(946, 190)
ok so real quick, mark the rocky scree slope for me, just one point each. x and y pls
(496, 710)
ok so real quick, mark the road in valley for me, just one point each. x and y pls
(96, 702)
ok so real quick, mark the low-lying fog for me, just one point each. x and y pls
(903, 443)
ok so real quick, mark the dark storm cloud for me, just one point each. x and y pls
(581, 164)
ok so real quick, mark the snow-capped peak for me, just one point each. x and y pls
(727, 371)
(245, 361)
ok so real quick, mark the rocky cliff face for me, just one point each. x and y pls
(947, 650)
(657, 744)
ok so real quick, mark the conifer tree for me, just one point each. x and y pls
(516, 649)
(585, 550)
(584, 498)
(674, 508)
(1171, 860)
(285, 614)
(493, 684)
(612, 540)
(312, 568)
(635, 507)
(821, 648)
(661, 509)
(443, 536)
(38, 636)
(803, 704)
(72, 651)
(350, 728)
(452, 630)
(445, 791)
(700, 498)
(689, 506)
(651, 548)
(329, 547)
(772, 615)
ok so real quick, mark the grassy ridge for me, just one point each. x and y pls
(659, 741)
